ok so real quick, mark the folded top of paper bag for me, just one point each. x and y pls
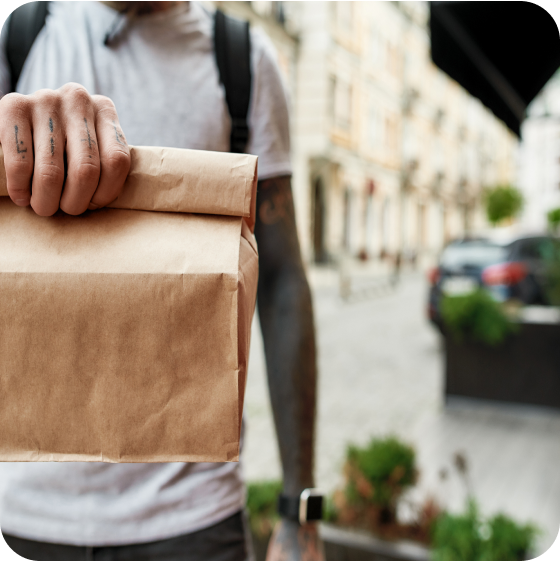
(187, 181)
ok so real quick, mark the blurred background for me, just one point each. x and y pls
(428, 224)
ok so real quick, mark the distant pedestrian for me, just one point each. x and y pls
(395, 278)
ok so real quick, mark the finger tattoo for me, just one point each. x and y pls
(89, 140)
(118, 134)
(51, 128)
(19, 143)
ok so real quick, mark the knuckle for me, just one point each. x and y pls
(51, 176)
(76, 93)
(19, 169)
(87, 173)
(103, 103)
(46, 97)
(116, 163)
(15, 103)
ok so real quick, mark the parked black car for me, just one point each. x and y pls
(516, 270)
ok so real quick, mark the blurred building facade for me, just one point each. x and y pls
(539, 173)
(390, 155)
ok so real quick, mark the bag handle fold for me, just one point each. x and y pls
(189, 181)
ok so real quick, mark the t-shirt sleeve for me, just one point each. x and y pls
(269, 125)
(5, 77)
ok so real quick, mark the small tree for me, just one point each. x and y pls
(553, 219)
(502, 202)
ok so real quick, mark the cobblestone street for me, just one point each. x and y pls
(381, 373)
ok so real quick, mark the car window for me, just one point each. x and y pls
(473, 254)
(535, 248)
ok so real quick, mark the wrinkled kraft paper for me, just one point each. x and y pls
(124, 334)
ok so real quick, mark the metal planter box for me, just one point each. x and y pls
(524, 369)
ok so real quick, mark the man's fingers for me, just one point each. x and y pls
(38, 132)
(48, 142)
(113, 151)
(17, 145)
(82, 152)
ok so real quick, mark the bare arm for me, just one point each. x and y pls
(286, 316)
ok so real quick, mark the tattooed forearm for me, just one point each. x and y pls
(276, 200)
(19, 143)
(276, 225)
(286, 316)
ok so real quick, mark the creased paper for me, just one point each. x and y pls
(125, 332)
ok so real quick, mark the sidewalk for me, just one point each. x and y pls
(381, 373)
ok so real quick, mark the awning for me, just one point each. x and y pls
(503, 53)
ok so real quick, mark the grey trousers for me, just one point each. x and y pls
(225, 541)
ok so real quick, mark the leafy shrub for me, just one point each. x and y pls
(476, 316)
(330, 511)
(377, 474)
(502, 202)
(553, 219)
(467, 537)
(456, 538)
(262, 502)
(551, 258)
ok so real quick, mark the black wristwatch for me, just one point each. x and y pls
(305, 508)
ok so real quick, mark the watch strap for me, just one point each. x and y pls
(288, 507)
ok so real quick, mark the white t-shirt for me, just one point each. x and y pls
(160, 73)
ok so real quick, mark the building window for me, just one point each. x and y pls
(393, 59)
(341, 103)
(391, 134)
(375, 129)
(344, 17)
(375, 46)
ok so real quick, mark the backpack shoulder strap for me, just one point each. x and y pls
(24, 25)
(232, 47)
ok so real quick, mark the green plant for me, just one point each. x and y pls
(262, 500)
(456, 538)
(553, 219)
(551, 257)
(468, 537)
(476, 316)
(330, 511)
(502, 202)
(378, 474)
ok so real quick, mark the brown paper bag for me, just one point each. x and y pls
(124, 334)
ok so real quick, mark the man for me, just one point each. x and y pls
(96, 72)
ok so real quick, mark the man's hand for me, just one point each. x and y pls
(62, 149)
(292, 542)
